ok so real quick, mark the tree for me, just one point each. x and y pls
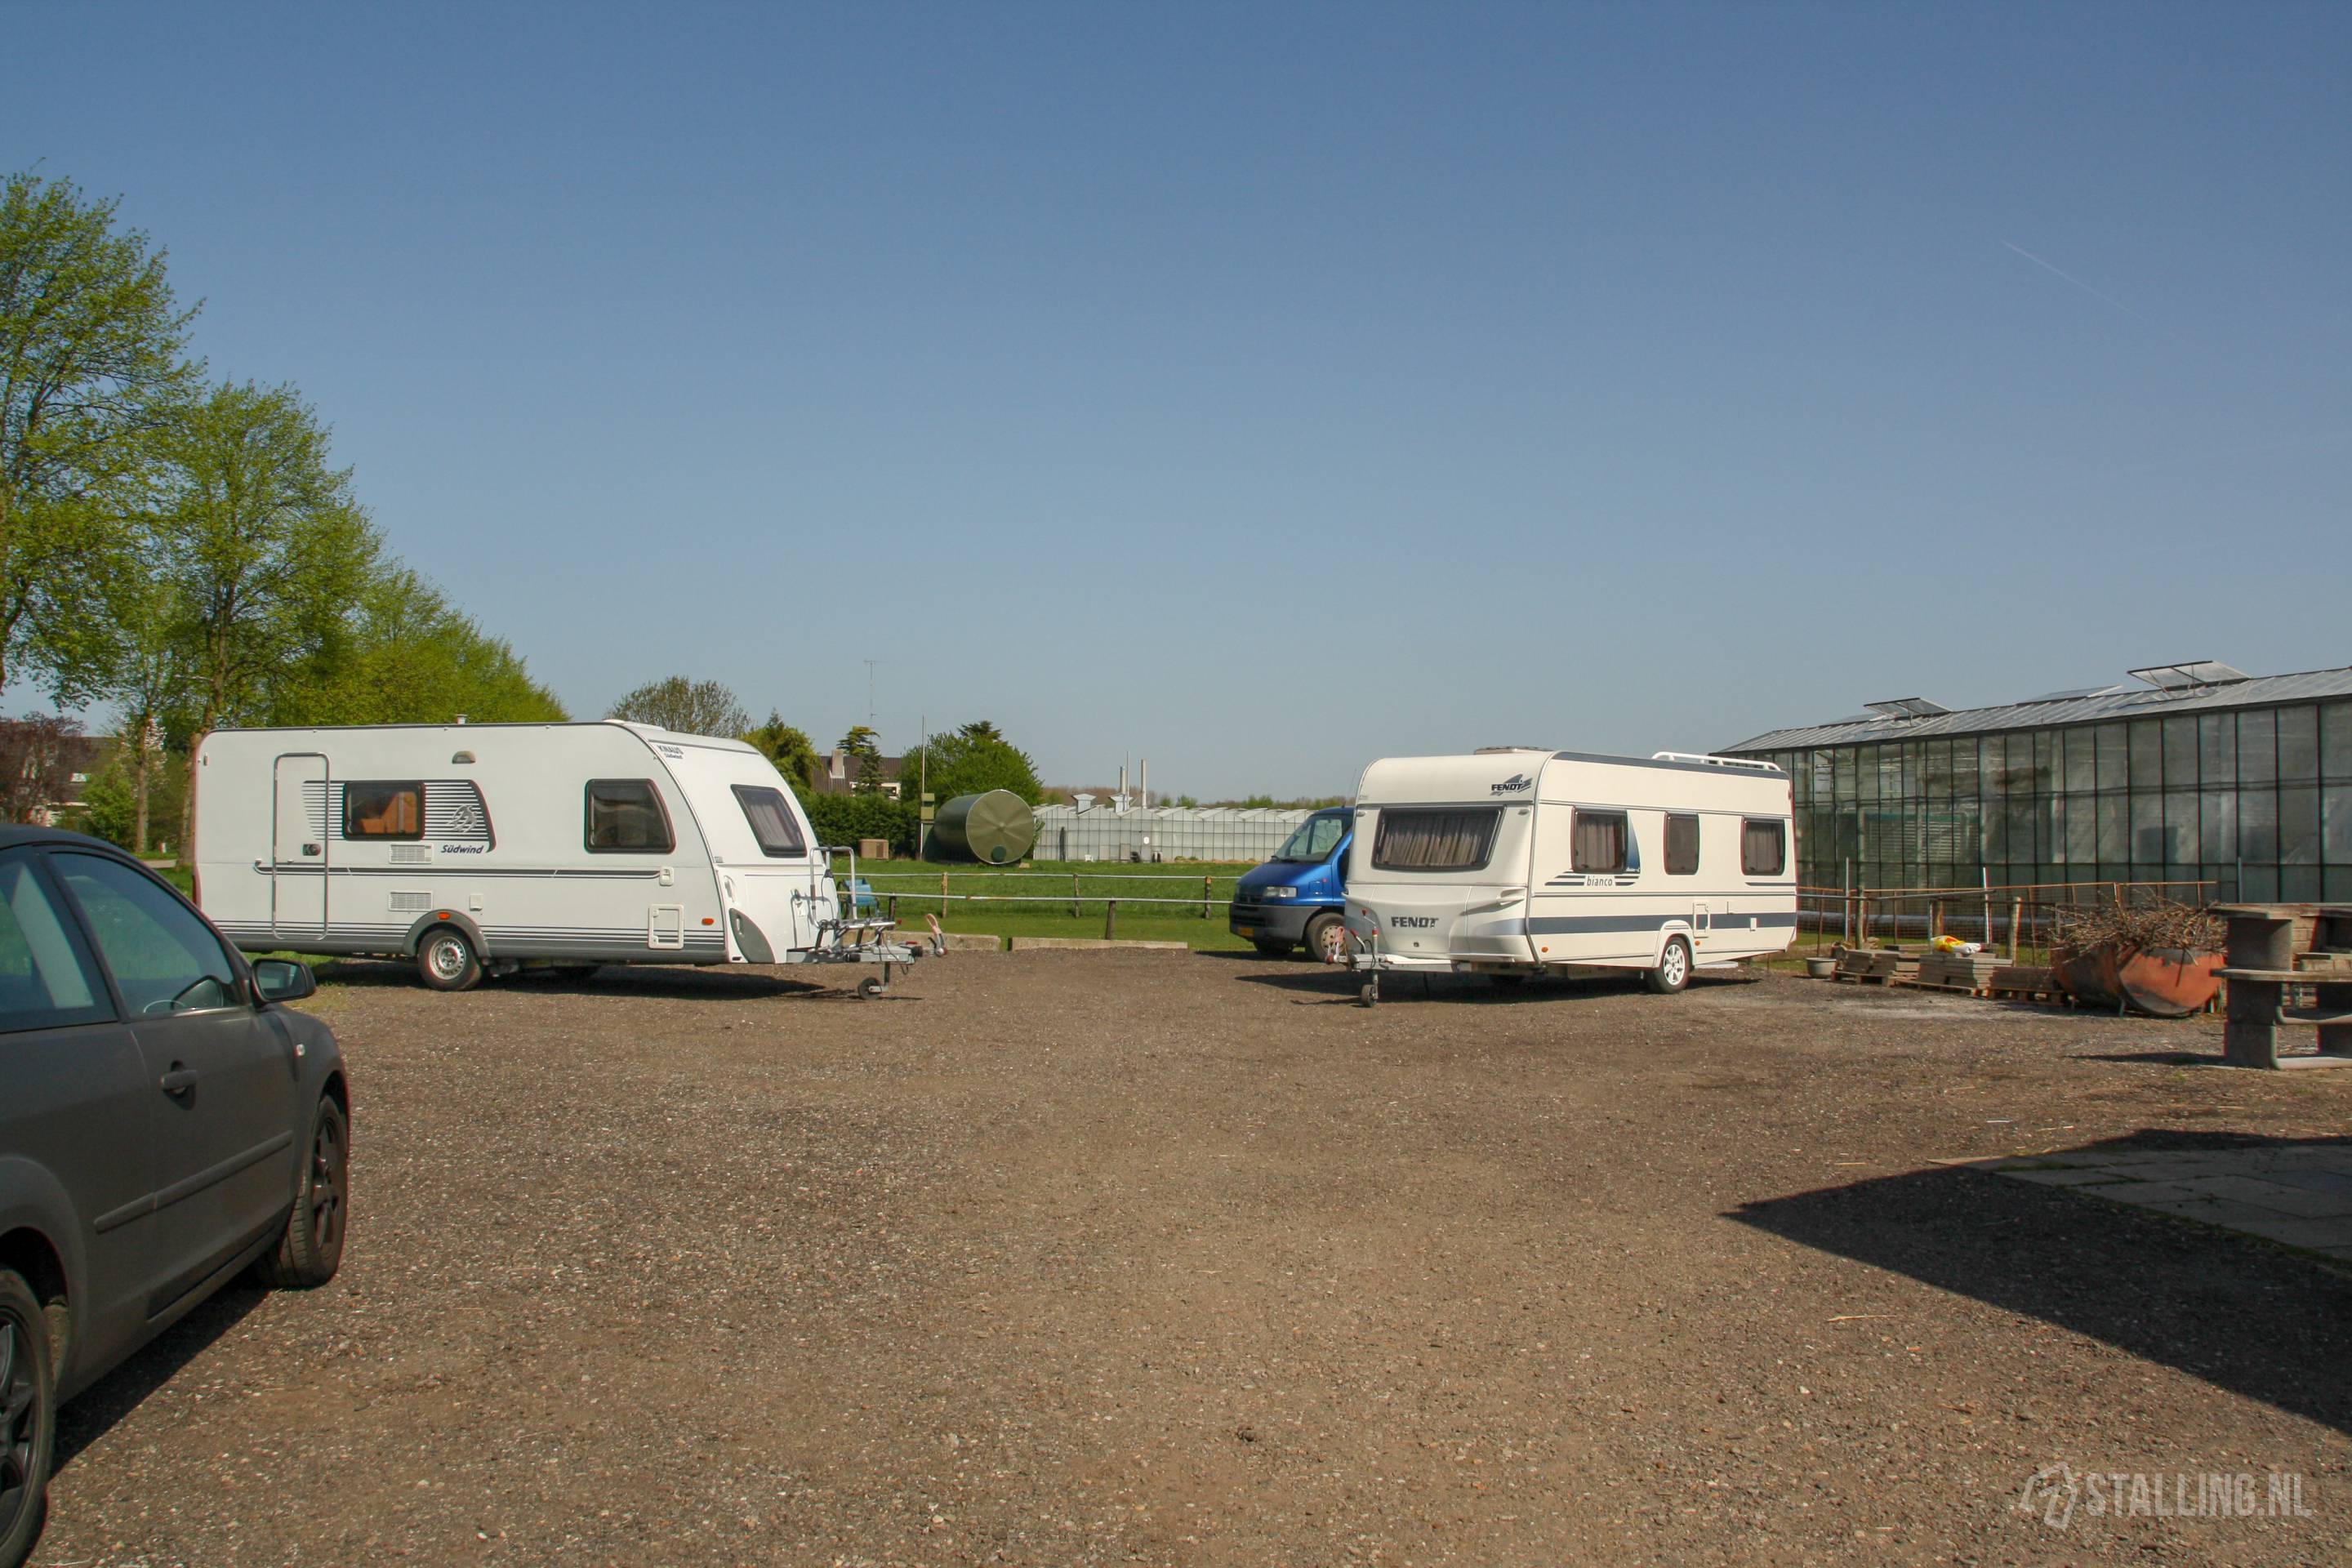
(690, 707)
(863, 747)
(791, 750)
(264, 547)
(408, 656)
(959, 763)
(32, 753)
(90, 367)
(979, 730)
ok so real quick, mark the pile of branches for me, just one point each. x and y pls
(2136, 929)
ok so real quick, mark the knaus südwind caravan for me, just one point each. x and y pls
(479, 848)
(1512, 861)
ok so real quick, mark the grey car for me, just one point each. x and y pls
(166, 1125)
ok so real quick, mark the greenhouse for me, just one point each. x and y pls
(2188, 774)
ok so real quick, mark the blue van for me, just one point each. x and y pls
(1294, 899)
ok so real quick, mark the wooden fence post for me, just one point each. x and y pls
(1074, 910)
(2016, 912)
(1111, 919)
(1206, 885)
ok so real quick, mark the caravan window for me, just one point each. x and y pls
(772, 821)
(1763, 848)
(625, 816)
(1435, 841)
(1682, 846)
(1597, 840)
(383, 810)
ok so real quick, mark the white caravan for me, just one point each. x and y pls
(490, 847)
(1514, 860)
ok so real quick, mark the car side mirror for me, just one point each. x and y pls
(283, 980)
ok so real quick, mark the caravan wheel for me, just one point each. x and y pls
(446, 960)
(1674, 971)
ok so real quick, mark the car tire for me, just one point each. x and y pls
(1274, 949)
(446, 960)
(29, 1417)
(1674, 971)
(311, 1248)
(1326, 938)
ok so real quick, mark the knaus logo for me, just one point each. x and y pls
(1518, 783)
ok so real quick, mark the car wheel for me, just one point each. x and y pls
(446, 960)
(1326, 937)
(29, 1417)
(1273, 949)
(311, 1248)
(1674, 971)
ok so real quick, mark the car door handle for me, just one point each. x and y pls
(179, 1083)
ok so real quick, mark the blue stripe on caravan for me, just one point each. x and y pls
(1558, 925)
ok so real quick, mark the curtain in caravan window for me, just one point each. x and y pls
(383, 810)
(1682, 846)
(1435, 841)
(626, 814)
(1763, 848)
(1597, 841)
(772, 821)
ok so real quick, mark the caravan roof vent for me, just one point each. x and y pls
(1711, 760)
(1906, 708)
(2190, 676)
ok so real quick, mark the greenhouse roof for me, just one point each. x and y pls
(2125, 700)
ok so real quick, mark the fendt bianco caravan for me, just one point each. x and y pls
(480, 849)
(1511, 861)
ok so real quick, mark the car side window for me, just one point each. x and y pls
(164, 958)
(46, 978)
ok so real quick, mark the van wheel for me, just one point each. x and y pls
(446, 960)
(1273, 949)
(1674, 971)
(28, 1416)
(311, 1248)
(1325, 938)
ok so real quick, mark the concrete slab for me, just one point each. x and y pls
(971, 941)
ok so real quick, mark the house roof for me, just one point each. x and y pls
(2084, 707)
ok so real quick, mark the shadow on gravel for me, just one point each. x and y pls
(92, 1413)
(732, 983)
(1340, 984)
(2248, 1317)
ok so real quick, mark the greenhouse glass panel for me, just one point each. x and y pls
(2114, 831)
(2298, 745)
(2148, 847)
(2299, 825)
(2299, 884)
(1843, 785)
(2217, 744)
(2217, 824)
(2257, 826)
(2082, 831)
(2336, 825)
(2257, 749)
(2335, 740)
(2045, 760)
(2180, 752)
(1989, 766)
(2113, 775)
(2180, 845)
(2146, 755)
(2081, 767)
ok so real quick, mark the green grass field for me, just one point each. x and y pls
(991, 901)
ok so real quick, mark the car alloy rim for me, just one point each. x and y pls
(17, 1415)
(326, 1188)
(1674, 963)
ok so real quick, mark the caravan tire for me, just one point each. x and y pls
(1674, 971)
(446, 960)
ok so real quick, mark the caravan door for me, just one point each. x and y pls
(299, 840)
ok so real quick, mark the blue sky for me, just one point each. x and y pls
(1267, 389)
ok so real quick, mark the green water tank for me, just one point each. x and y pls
(995, 828)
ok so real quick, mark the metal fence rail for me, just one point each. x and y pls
(2023, 914)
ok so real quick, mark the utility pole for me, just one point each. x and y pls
(869, 692)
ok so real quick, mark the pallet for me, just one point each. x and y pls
(1955, 987)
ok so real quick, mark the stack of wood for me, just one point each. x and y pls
(1875, 966)
(2136, 929)
(1968, 972)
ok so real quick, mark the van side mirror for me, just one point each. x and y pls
(283, 980)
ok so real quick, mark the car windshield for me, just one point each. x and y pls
(1316, 838)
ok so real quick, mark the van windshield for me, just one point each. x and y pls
(1316, 838)
(772, 821)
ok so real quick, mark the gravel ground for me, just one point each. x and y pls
(1089, 1258)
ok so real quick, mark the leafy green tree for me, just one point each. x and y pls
(264, 547)
(90, 368)
(960, 763)
(690, 707)
(408, 655)
(790, 749)
(864, 748)
(979, 730)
